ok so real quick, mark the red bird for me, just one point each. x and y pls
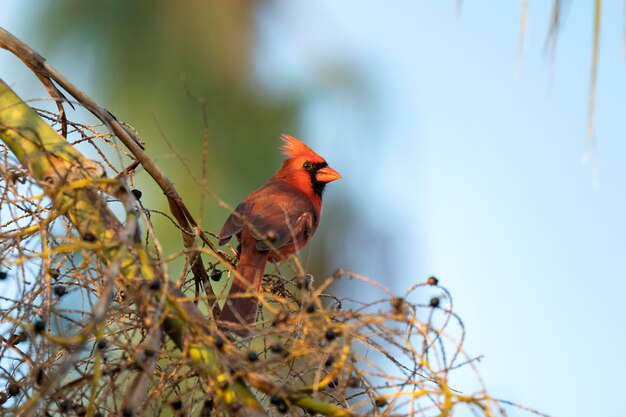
(273, 222)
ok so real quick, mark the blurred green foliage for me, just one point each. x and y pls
(145, 57)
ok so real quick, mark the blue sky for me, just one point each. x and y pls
(472, 171)
(475, 171)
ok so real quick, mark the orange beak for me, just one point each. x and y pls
(326, 175)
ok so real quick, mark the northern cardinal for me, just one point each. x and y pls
(273, 222)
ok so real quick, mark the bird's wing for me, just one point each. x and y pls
(276, 217)
(235, 222)
(277, 228)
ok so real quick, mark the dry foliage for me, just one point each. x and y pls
(79, 339)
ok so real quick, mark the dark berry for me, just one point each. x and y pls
(137, 193)
(3, 274)
(54, 273)
(155, 285)
(13, 388)
(334, 382)
(127, 412)
(80, 411)
(17, 338)
(3, 397)
(432, 281)
(219, 342)
(276, 348)
(177, 405)
(89, 237)
(40, 375)
(102, 344)
(282, 408)
(65, 406)
(39, 326)
(279, 402)
(59, 290)
(253, 356)
(434, 302)
(216, 275)
(310, 308)
(330, 334)
(275, 399)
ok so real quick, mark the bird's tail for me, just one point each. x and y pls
(242, 309)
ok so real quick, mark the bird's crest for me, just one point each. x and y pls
(293, 148)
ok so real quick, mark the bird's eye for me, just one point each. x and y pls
(307, 165)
